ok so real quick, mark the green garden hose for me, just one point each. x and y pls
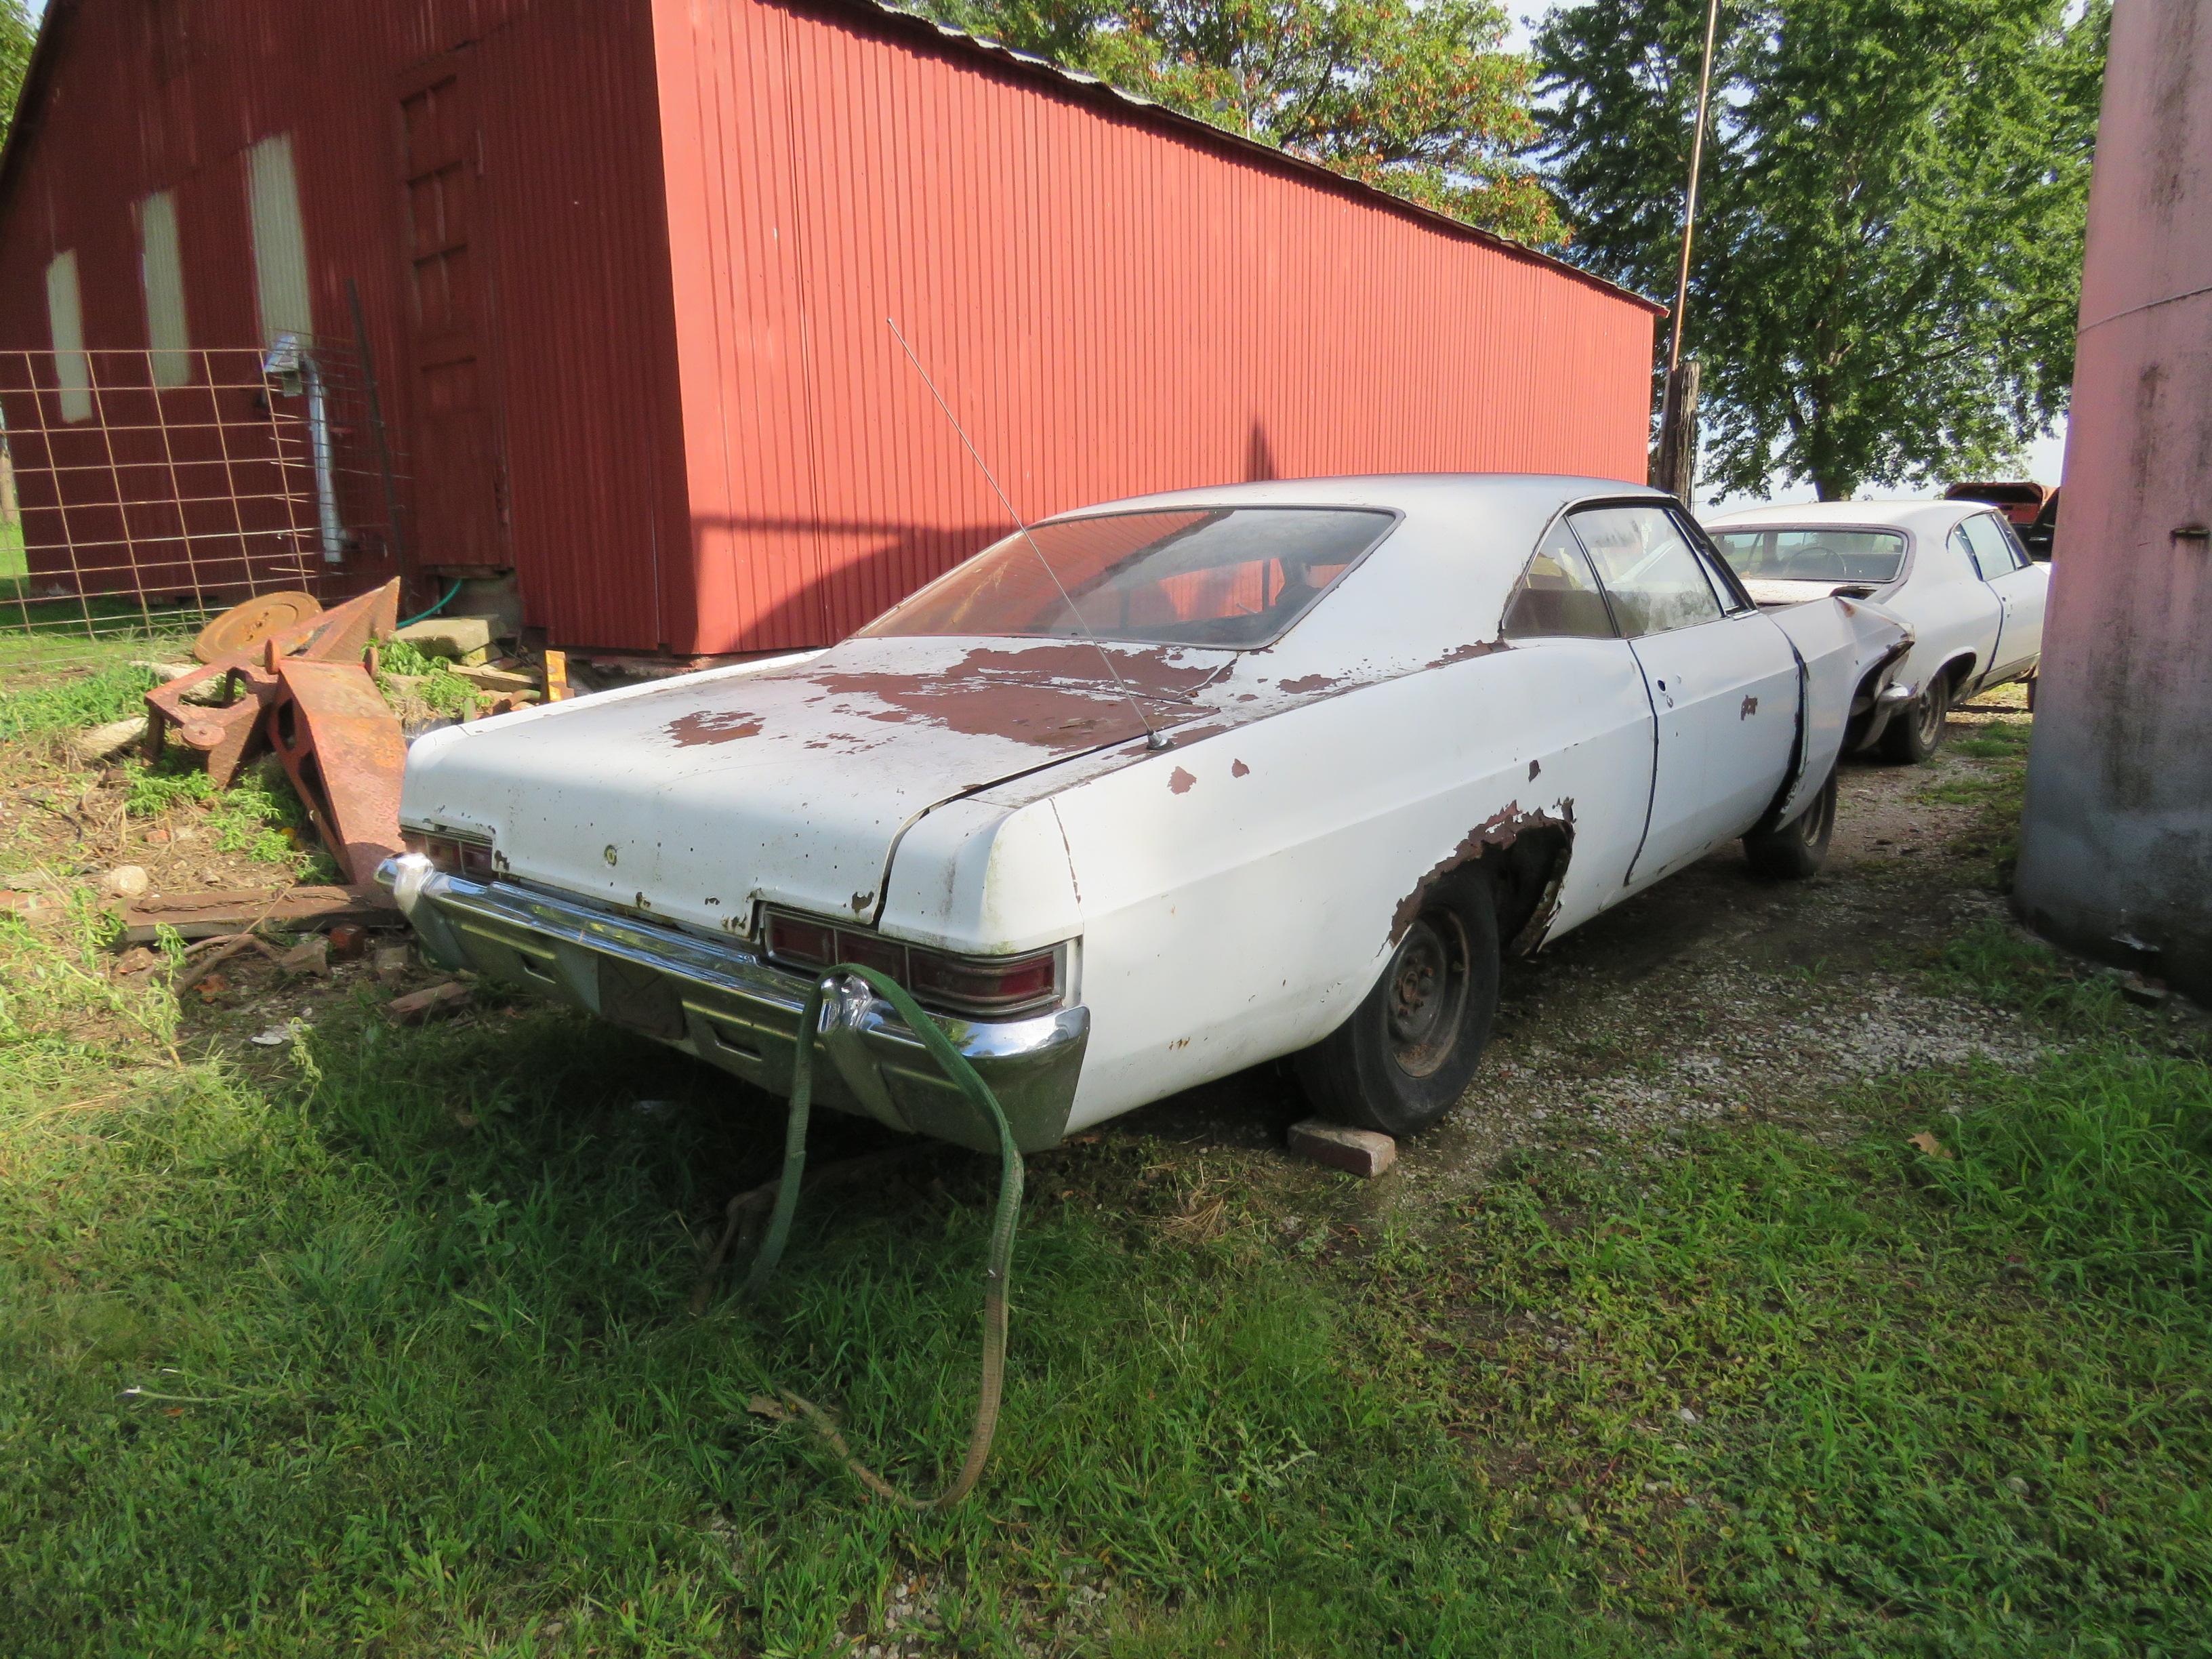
(962, 1075)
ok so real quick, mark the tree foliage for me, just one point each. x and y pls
(17, 35)
(1888, 249)
(1411, 96)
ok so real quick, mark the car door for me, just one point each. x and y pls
(2020, 585)
(1722, 680)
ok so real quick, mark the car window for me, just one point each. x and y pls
(1813, 554)
(1730, 592)
(1991, 547)
(1557, 597)
(1236, 577)
(1648, 567)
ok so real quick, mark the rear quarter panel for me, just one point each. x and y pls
(1239, 892)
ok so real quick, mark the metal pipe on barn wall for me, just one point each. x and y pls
(2116, 843)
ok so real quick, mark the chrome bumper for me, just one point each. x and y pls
(722, 1003)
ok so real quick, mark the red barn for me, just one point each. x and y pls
(623, 269)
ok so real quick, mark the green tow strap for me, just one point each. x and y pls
(962, 1075)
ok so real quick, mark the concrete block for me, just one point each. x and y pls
(459, 639)
(1356, 1151)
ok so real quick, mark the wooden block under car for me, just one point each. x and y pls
(1356, 1151)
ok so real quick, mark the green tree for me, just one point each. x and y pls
(1413, 96)
(17, 34)
(1888, 249)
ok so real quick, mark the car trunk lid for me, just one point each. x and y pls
(696, 799)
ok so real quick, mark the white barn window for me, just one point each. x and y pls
(162, 267)
(65, 317)
(280, 240)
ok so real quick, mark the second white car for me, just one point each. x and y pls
(1955, 571)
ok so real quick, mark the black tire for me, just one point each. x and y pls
(1796, 850)
(1915, 732)
(1409, 1050)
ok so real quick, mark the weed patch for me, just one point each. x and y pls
(94, 699)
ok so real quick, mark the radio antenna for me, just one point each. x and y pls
(1154, 738)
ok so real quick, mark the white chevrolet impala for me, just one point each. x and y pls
(1955, 572)
(1156, 792)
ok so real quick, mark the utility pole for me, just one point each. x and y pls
(1674, 469)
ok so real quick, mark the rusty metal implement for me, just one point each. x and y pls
(244, 626)
(344, 750)
(229, 734)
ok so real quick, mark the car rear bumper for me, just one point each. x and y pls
(720, 1002)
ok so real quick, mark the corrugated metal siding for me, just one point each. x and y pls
(691, 220)
(1112, 307)
(173, 96)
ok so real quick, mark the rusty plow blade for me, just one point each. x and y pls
(344, 753)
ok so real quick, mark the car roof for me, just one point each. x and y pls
(1921, 518)
(1437, 582)
(1518, 496)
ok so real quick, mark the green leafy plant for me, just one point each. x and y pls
(404, 671)
(79, 701)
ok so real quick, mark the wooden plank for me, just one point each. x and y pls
(229, 910)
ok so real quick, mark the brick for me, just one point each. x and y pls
(419, 1006)
(1356, 1151)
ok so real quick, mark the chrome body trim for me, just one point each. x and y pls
(723, 1003)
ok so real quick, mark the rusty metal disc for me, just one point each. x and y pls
(244, 626)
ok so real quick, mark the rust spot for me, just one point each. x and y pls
(713, 725)
(861, 902)
(1179, 781)
(1238, 770)
(1750, 708)
(1536, 770)
(1064, 718)
(1156, 672)
(1309, 683)
(1467, 652)
(1501, 829)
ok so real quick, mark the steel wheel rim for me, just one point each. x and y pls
(1932, 717)
(1426, 991)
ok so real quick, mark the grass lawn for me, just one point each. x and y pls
(382, 1343)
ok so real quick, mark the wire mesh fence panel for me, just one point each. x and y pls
(141, 491)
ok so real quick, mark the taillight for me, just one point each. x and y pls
(984, 985)
(452, 855)
(995, 986)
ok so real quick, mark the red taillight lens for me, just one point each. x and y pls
(982, 986)
(797, 944)
(959, 985)
(451, 855)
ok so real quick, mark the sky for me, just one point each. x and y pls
(2045, 456)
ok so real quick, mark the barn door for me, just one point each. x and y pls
(458, 462)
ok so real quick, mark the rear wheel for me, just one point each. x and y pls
(1916, 731)
(1407, 1053)
(1797, 849)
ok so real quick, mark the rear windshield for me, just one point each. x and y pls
(1813, 556)
(1234, 577)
